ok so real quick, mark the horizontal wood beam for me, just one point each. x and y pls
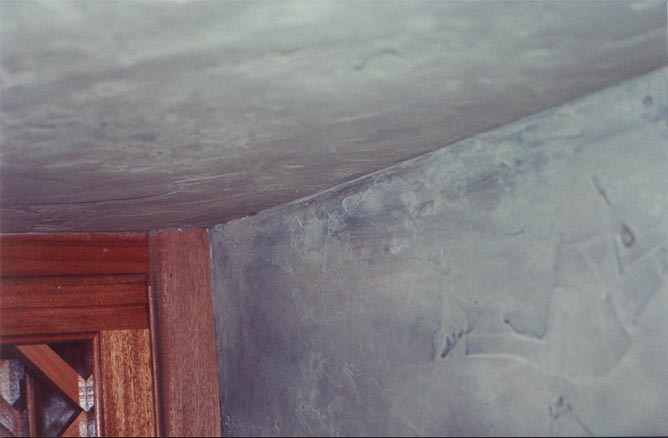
(34, 321)
(79, 291)
(69, 283)
(73, 254)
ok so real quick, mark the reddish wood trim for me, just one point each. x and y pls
(73, 254)
(155, 357)
(103, 281)
(74, 319)
(99, 399)
(46, 338)
(186, 393)
(91, 290)
(185, 333)
(45, 362)
(90, 301)
(31, 410)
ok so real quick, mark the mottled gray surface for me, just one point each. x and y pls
(150, 114)
(513, 283)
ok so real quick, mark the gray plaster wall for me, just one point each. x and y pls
(513, 283)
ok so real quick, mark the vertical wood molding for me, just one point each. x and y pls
(183, 324)
(30, 405)
(127, 383)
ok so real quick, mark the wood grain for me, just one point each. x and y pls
(127, 383)
(45, 362)
(46, 338)
(73, 254)
(83, 287)
(98, 410)
(73, 319)
(31, 409)
(70, 283)
(79, 291)
(184, 331)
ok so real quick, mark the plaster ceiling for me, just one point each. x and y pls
(146, 115)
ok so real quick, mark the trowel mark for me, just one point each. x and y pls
(450, 341)
(599, 189)
(563, 421)
(626, 236)
(387, 51)
(445, 340)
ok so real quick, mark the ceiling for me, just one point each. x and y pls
(146, 115)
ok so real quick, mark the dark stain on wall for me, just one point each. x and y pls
(512, 284)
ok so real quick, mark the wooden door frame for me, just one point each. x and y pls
(183, 328)
(178, 277)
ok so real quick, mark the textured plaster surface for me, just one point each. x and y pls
(513, 283)
(146, 115)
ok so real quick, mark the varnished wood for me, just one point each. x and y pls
(63, 283)
(73, 291)
(157, 414)
(127, 383)
(31, 412)
(104, 300)
(10, 418)
(73, 319)
(184, 329)
(46, 338)
(43, 361)
(97, 373)
(73, 254)
(83, 287)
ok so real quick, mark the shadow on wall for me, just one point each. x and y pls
(514, 283)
